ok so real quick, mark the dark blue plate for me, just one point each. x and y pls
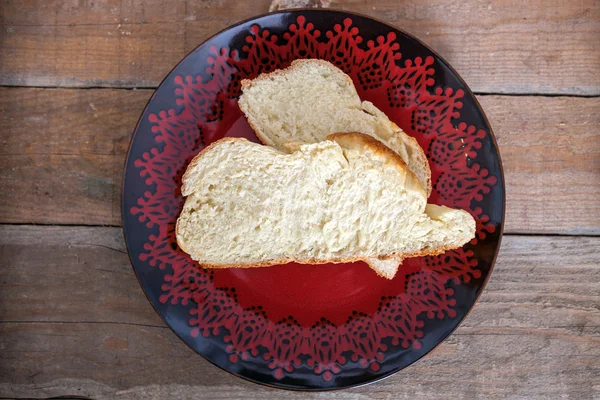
(299, 326)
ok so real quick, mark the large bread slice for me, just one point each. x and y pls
(312, 99)
(346, 199)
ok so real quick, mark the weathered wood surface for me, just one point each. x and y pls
(501, 47)
(74, 321)
(64, 150)
(550, 148)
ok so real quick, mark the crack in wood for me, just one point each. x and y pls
(84, 323)
(153, 88)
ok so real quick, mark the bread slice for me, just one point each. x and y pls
(345, 199)
(312, 99)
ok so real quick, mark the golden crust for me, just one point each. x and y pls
(247, 83)
(351, 139)
(422, 157)
(314, 261)
(346, 139)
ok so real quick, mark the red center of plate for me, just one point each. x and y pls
(306, 292)
(310, 292)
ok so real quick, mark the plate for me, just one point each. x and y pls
(300, 326)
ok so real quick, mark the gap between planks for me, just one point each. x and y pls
(476, 93)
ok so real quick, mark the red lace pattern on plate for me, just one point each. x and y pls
(377, 68)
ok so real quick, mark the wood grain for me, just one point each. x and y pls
(72, 275)
(73, 321)
(550, 148)
(498, 47)
(64, 151)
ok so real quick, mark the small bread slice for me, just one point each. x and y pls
(385, 268)
(345, 199)
(312, 99)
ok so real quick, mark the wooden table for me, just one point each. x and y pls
(75, 76)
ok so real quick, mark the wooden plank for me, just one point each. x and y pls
(90, 55)
(106, 42)
(535, 333)
(42, 263)
(500, 47)
(131, 362)
(550, 148)
(72, 173)
(69, 274)
(64, 151)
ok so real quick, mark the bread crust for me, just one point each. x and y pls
(247, 83)
(422, 157)
(314, 261)
(362, 140)
(343, 140)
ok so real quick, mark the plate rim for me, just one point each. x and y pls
(467, 90)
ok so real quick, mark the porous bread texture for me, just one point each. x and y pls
(312, 99)
(345, 199)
